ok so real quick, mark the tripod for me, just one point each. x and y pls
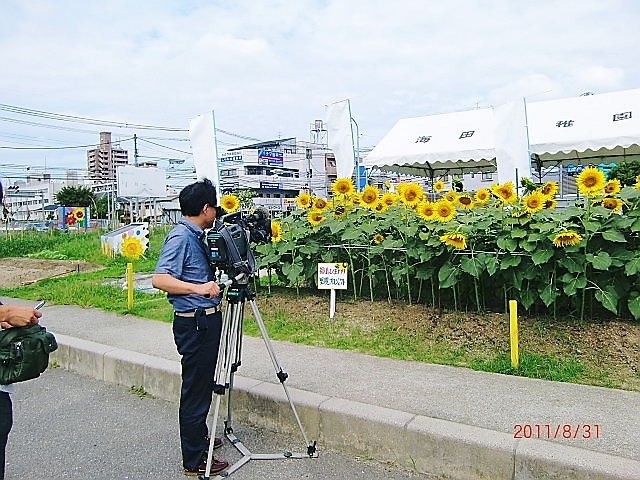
(236, 295)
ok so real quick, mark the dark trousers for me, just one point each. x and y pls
(6, 422)
(198, 346)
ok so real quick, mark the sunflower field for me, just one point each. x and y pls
(472, 250)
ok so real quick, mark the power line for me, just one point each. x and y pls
(58, 148)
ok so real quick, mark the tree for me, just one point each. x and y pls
(72, 196)
(625, 172)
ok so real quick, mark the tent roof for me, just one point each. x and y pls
(437, 144)
(586, 129)
(589, 129)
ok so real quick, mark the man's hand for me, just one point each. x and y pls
(209, 289)
(17, 316)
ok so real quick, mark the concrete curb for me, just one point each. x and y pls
(429, 445)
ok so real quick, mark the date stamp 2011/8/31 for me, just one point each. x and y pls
(557, 431)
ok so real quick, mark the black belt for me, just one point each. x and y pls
(192, 314)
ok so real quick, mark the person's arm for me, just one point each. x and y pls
(16, 316)
(169, 284)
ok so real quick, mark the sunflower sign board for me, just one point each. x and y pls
(332, 276)
(130, 241)
(73, 217)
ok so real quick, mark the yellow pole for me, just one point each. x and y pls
(513, 333)
(129, 286)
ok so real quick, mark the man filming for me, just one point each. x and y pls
(184, 272)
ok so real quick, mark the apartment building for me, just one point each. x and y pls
(103, 161)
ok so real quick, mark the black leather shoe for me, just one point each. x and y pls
(216, 467)
(217, 443)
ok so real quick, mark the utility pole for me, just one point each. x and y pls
(135, 149)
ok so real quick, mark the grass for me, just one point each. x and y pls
(567, 351)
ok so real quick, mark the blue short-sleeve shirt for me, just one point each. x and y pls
(185, 256)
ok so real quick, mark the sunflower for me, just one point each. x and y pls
(590, 181)
(319, 203)
(132, 248)
(534, 202)
(637, 185)
(389, 199)
(445, 211)
(370, 196)
(613, 204)
(378, 238)
(356, 199)
(304, 200)
(380, 207)
(483, 195)
(455, 239)
(612, 187)
(465, 201)
(230, 203)
(276, 231)
(343, 186)
(566, 237)
(412, 194)
(451, 196)
(316, 218)
(400, 188)
(550, 203)
(426, 210)
(505, 192)
(340, 211)
(439, 186)
(549, 189)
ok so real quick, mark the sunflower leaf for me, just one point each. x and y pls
(614, 236)
(472, 266)
(541, 256)
(634, 306)
(632, 267)
(447, 276)
(549, 294)
(601, 261)
(608, 298)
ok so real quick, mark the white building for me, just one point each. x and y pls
(278, 171)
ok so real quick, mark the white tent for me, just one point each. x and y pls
(582, 130)
(591, 129)
(438, 144)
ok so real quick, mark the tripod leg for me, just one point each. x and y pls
(207, 470)
(282, 376)
(236, 333)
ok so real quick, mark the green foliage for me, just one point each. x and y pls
(625, 172)
(75, 196)
(510, 254)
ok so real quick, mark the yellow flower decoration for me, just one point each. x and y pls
(132, 248)
(465, 201)
(412, 194)
(316, 218)
(590, 181)
(276, 231)
(505, 192)
(378, 238)
(370, 196)
(319, 203)
(445, 211)
(534, 202)
(343, 186)
(426, 210)
(612, 187)
(230, 203)
(439, 186)
(613, 204)
(567, 237)
(549, 189)
(483, 195)
(79, 214)
(304, 200)
(455, 239)
(637, 185)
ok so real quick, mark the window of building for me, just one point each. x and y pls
(487, 177)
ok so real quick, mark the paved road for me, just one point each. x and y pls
(69, 426)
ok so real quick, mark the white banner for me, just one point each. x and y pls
(141, 182)
(203, 145)
(340, 139)
(512, 142)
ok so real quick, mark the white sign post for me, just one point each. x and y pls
(332, 276)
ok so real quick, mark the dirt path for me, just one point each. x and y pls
(20, 271)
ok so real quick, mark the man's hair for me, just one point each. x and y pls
(195, 196)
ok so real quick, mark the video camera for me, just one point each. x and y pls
(230, 238)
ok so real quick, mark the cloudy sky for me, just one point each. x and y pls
(268, 68)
